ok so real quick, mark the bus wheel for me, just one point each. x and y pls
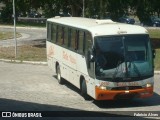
(84, 90)
(59, 78)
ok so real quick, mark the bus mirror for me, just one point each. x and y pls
(92, 58)
(91, 55)
(154, 53)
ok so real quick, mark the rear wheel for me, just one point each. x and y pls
(59, 78)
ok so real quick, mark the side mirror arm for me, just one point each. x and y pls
(92, 58)
(153, 53)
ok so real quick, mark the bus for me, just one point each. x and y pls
(106, 60)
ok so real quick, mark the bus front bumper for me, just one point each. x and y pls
(123, 94)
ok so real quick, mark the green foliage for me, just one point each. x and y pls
(117, 8)
(6, 13)
(93, 8)
(157, 59)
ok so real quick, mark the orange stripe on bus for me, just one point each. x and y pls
(112, 94)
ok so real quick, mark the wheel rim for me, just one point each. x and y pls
(58, 74)
(59, 77)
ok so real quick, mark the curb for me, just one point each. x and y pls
(157, 72)
(26, 62)
(26, 27)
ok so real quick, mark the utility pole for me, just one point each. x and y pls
(101, 9)
(83, 7)
(14, 16)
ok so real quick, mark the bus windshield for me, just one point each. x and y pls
(124, 57)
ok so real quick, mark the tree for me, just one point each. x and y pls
(143, 9)
(93, 8)
(7, 12)
(156, 7)
(117, 8)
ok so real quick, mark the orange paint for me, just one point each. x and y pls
(112, 94)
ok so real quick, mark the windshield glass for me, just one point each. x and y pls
(123, 57)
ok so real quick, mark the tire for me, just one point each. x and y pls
(59, 78)
(84, 91)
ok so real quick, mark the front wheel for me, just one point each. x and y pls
(84, 90)
(59, 78)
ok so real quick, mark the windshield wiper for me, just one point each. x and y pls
(116, 69)
(135, 68)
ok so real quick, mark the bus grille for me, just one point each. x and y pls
(127, 88)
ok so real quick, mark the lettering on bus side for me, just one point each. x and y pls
(65, 55)
(51, 51)
(69, 58)
(104, 84)
(72, 59)
(122, 84)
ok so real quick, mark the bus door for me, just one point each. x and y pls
(89, 55)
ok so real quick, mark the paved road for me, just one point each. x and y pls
(26, 87)
(30, 35)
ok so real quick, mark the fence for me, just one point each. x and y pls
(32, 20)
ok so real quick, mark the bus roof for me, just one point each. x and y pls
(99, 27)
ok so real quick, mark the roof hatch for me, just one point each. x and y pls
(108, 21)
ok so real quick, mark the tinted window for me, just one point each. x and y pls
(81, 42)
(48, 31)
(53, 31)
(88, 41)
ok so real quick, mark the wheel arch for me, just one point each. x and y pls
(81, 79)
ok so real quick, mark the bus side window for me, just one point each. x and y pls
(65, 38)
(73, 39)
(57, 27)
(88, 41)
(49, 31)
(77, 40)
(53, 33)
(60, 35)
(81, 42)
(69, 37)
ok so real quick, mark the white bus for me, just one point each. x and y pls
(104, 59)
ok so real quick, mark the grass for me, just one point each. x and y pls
(24, 53)
(154, 33)
(155, 38)
(157, 59)
(8, 35)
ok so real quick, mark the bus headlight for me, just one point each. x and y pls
(102, 88)
(148, 85)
